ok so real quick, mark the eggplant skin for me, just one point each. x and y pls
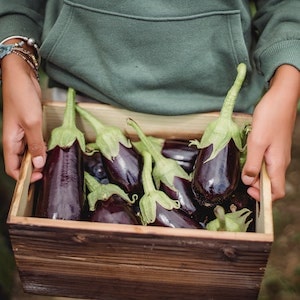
(174, 218)
(93, 164)
(215, 180)
(180, 151)
(184, 194)
(125, 170)
(114, 210)
(62, 187)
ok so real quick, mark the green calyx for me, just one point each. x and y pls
(165, 169)
(108, 138)
(65, 135)
(234, 221)
(152, 196)
(223, 129)
(102, 192)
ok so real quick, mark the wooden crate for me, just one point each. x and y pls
(107, 261)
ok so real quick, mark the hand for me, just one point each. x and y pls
(22, 117)
(271, 136)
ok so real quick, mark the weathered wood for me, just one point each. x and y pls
(108, 261)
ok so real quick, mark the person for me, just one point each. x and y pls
(163, 57)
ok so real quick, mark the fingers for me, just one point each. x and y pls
(276, 165)
(36, 147)
(252, 167)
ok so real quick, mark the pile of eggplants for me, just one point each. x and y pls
(153, 181)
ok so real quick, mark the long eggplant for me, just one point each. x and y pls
(156, 208)
(108, 203)
(169, 176)
(61, 193)
(179, 150)
(122, 163)
(217, 167)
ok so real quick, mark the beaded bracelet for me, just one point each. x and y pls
(32, 59)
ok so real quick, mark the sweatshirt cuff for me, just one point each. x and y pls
(13, 25)
(280, 53)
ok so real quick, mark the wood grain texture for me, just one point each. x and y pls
(107, 261)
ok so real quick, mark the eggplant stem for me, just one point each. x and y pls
(229, 101)
(148, 184)
(97, 125)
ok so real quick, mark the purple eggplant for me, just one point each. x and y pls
(215, 180)
(157, 208)
(61, 193)
(217, 167)
(122, 163)
(93, 164)
(169, 176)
(108, 203)
(179, 150)
(182, 152)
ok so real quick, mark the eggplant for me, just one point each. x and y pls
(114, 210)
(157, 208)
(122, 163)
(93, 164)
(169, 176)
(179, 150)
(217, 167)
(108, 203)
(61, 193)
(174, 218)
(215, 180)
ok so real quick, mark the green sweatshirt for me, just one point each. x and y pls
(160, 56)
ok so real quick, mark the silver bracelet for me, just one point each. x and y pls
(32, 59)
(29, 41)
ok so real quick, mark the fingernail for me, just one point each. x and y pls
(248, 180)
(38, 162)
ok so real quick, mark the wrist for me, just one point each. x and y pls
(24, 48)
(286, 80)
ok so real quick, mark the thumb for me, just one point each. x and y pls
(252, 167)
(36, 147)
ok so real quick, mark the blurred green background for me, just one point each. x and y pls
(282, 277)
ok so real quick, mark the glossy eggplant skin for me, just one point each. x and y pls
(180, 151)
(93, 164)
(125, 170)
(174, 218)
(185, 196)
(114, 210)
(62, 187)
(215, 180)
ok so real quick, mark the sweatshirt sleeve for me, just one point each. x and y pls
(277, 25)
(21, 17)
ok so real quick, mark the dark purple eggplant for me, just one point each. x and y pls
(93, 164)
(108, 203)
(114, 210)
(179, 150)
(168, 175)
(174, 218)
(62, 194)
(217, 167)
(157, 208)
(62, 186)
(122, 163)
(215, 180)
(182, 152)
